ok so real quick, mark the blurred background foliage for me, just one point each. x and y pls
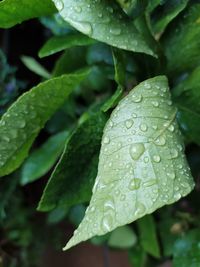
(48, 47)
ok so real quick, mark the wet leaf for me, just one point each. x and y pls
(73, 177)
(104, 22)
(59, 43)
(43, 158)
(13, 12)
(142, 166)
(20, 125)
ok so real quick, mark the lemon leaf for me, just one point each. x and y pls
(142, 166)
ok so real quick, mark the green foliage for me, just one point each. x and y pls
(20, 125)
(150, 165)
(13, 12)
(101, 124)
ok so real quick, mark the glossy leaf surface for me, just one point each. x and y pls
(59, 43)
(20, 125)
(104, 22)
(73, 177)
(141, 166)
(43, 158)
(13, 12)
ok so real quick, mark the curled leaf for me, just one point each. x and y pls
(142, 166)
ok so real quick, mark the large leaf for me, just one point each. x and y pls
(43, 158)
(187, 98)
(72, 180)
(104, 22)
(59, 43)
(13, 12)
(186, 250)
(182, 42)
(20, 125)
(141, 166)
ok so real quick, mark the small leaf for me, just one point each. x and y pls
(35, 67)
(148, 237)
(141, 165)
(122, 237)
(186, 250)
(43, 159)
(182, 42)
(165, 14)
(13, 12)
(113, 100)
(73, 177)
(59, 43)
(20, 125)
(104, 22)
(186, 96)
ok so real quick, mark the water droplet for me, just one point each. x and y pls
(128, 123)
(109, 204)
(134, 184)
(156, 158)
(3, 123)
(146, 160)
(134, 115)
(106, 140)
(155, 103)
(21, 124)
(100, 15)
(177, 196)
(171, 175)
(83, 26)
(140, 209)
(160, 141)
(171, 128)
(78, 9)
(147, 85)
(143, 127)
(150, 182)
(5, 138)
(60, 5)
(115, 31)
(110, 9)
(136, 150)
(169, 102)
(123, 197)
(136, 98)
(174, 153)
(107, 223)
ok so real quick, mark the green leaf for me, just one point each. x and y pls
(59, 43)
(104, 22)
(35, 67)
(20, 125)
(187, 98)
(72, 180)
(141, 165)
(182, 42)
(137, 256)
(123, 237)
(148, 236)
(186, 250)
(111, 102)
(120, 67)
(13, 12)
(71, 60)
(43, 159)
(167, 12)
